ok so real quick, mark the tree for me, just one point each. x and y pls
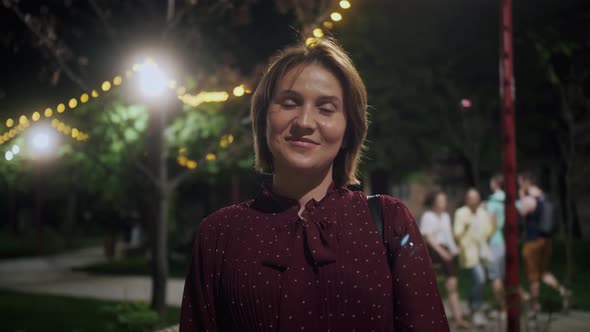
(565, 64)
(83, 40)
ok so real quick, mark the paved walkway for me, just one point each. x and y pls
(53, 275)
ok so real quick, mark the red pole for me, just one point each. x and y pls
(512, 282)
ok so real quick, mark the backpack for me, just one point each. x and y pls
(548, 226)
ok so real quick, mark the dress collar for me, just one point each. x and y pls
(271, 202)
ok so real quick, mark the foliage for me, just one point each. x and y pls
(59, 313)
(130, 317)
(415, 85)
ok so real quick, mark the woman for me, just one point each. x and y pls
(304, 255)
(472, 228)
(435, 226)
(497, 266)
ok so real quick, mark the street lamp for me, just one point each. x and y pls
(152, 79)
(153, 84)
(41, 142)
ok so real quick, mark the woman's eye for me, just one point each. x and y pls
(289, 104)
(326, 110)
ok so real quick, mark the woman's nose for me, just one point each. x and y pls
(306, 117)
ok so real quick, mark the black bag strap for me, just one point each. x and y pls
(376, 213)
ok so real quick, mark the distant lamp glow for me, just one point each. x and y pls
(36, 116)
(466, 103)
(23, 119)
(210, 157)
(84, 98)
(61, 108)
(15, 149)
(117, 80)
(75, 132)
(106, 86)
(181, 90)
(42, 140)
(8, 155)
(310, 41)
(94, 94)
(48, 112)
(335, 16)
(191, 164)
(328, 25)
(318, 33)
(344, 4)
(182, 160)
(9, 123)
(239, 91)
(152, 80)
(73, 103)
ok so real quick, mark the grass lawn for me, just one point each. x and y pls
(549, 298)
(25, 245)
(133, 265)
(31, 312)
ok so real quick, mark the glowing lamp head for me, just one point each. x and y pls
(152, 80)
(42, 140)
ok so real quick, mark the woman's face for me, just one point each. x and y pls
(494, 185)
(440, 202)
(305, 120)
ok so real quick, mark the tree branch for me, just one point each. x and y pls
(101, 15)
(48, 43)
(148, 173)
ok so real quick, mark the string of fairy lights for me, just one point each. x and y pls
(335, 17)
(15, 128)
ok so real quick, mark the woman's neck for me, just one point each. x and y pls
(438, 211)
(302, 187)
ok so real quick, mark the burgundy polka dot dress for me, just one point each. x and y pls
(258, 266)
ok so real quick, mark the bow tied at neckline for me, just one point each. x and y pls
(320, 242)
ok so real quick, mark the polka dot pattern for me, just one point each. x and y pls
(259, 266)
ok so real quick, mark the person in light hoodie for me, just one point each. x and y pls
(472, 229)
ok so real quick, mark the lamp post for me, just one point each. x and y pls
(41, 142)
(152, 84)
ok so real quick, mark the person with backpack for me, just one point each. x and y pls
(539, 228)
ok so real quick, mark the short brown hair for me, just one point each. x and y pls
(499, 179)
(528, 176)
(327, 53)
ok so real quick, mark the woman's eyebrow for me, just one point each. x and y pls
(330, 99)
(289, 92)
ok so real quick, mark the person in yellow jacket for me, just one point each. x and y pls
(472, 228)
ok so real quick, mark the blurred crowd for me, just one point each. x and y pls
(475, 238)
